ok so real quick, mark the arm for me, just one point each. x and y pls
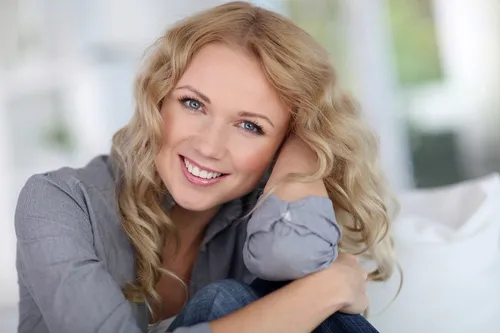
(294, 231)
(58, 264)
(303, 304)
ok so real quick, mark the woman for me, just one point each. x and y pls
(182, 217)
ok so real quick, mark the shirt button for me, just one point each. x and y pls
(287, 216)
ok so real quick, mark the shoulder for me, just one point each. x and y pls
(65, 192)
(97, 174)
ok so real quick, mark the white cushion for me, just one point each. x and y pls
(447, 241)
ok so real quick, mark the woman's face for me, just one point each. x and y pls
(223, 123)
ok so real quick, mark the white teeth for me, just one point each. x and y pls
(194, 170)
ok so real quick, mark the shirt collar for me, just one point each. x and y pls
(229, 213)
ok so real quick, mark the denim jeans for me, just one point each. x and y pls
(223, 297)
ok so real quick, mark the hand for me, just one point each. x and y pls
(345, 282)
(295, 157)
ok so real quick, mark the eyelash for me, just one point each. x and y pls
(184, 102)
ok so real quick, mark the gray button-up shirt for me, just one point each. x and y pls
(73, 257)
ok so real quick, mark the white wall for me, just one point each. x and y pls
(370, 52)
(468, 99)
(8, 294)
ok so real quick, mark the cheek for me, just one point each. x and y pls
(176, 126)
(253, 161)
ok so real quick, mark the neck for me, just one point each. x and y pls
(191, 224)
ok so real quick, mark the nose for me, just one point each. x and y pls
(211, 141)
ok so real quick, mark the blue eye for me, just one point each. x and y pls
(251, 127)
(191, 103)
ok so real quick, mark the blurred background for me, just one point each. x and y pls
(426, 73)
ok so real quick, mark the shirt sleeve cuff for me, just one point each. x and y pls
(310, 214)
(288, 240)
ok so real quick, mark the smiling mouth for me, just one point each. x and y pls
(199, 175)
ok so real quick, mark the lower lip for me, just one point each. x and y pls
(197, 180)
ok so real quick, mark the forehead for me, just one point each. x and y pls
(230, 77)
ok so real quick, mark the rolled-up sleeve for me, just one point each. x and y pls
(288, 240)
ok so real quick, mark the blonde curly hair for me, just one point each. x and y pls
(322, 115)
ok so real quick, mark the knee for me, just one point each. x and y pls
(215, 301)
(228, 292)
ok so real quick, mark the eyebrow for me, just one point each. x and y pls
(197, 92)
(255, 115)
(241, 113)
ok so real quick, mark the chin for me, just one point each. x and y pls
(193, 205)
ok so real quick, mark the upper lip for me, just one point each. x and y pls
(201, 166)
